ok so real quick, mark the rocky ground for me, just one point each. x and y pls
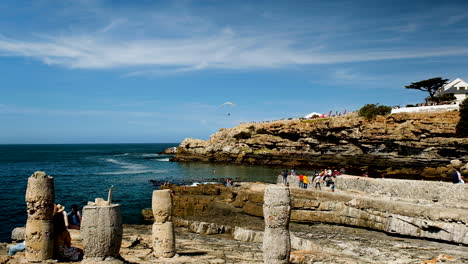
(325, 244)
(217, 224)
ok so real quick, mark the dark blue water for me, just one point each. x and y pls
(83, 172)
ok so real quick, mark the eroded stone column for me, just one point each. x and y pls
(101, 231)
(40, 198)
(163, 227)
(276, 211)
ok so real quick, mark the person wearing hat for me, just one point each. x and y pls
(60, 209)
(63, 250)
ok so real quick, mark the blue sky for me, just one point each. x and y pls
(82, 71)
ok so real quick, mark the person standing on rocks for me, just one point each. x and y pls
(284, 173)
(301, 181)
(317, 180)
(305, 181)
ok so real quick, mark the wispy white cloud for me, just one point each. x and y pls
(454, 19)
(224, 50)
(161, 43)
(345, 74)
(112, 25)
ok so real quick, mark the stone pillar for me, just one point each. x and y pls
(163, 227)
(276, 211)
(101, 231)
(40, 198)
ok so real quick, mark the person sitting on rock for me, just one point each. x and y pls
(228, 182)
(16, 248)
(74, 218)
(457, 177)
(342, 171)
(63, 251)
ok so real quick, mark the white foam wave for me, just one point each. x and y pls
(130, 172)
(128, 168)
(165, 159)
(150, 155)
(201, 183)
(116, 162)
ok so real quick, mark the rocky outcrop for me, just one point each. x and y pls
(378, 204)
(398, 145)
(169, 151)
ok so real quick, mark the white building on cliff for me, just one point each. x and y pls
(457, 87)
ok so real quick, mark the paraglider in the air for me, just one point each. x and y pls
(228, 104)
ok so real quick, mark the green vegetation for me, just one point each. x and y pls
(462, 126)
(262, 131)
(429, 85)
(370, 111)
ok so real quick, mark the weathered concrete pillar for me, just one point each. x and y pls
(163, 227)
(276, 211)
(40, 198)
(101, 231)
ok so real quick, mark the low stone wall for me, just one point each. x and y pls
(432, 108)
(439, 193)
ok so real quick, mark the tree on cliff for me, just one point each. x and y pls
(462, 126)
(429, 85)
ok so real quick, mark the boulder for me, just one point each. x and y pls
(17, 234)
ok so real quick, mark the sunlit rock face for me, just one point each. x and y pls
(407, 145)
(420, 209)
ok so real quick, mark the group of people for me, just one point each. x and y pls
(325, 176)
(63, 251)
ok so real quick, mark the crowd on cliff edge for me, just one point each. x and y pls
(324, 177)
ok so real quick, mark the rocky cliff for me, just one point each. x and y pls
(397, 145)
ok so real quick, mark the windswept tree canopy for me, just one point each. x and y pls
(429, 85)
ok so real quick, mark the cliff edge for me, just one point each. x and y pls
(406, 145)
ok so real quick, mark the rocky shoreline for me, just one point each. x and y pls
(218, 224)
(406, 145)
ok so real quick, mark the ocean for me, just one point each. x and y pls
(83, 172)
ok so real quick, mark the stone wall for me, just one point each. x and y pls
(438, 193)
(432, 108)
(441, 193)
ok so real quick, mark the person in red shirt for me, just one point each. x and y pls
(301, 180)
